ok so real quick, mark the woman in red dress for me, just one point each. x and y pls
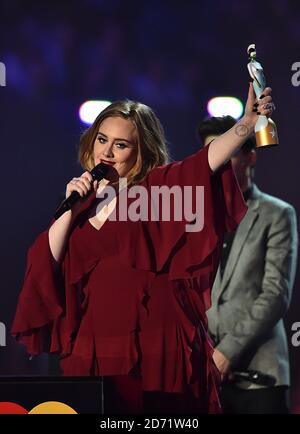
(125, 297)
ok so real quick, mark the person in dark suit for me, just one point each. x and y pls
(252, 290)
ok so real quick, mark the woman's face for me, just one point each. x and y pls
(116, 144)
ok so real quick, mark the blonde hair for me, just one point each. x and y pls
(152, 149)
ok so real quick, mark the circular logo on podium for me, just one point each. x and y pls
(12, 408)
(52, 407)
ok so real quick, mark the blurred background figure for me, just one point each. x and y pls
(252, 289)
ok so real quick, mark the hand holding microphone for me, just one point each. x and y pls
(82, 185)
(79, 189)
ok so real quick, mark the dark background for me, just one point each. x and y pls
(171, 55)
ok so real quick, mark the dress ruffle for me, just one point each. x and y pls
(223, 209)
(48, 312)
(194, 256)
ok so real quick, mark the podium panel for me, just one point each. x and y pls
(83, 394)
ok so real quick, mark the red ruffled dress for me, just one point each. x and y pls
(133, 295)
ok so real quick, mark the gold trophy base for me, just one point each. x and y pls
(267, 136)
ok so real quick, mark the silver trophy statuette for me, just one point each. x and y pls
(265, 128)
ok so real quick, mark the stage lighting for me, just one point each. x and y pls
(225, 105)
(89, 110)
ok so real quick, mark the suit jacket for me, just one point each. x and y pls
(249, 302)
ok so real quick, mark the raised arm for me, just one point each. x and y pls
(225, 146)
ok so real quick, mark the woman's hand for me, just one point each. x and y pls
(259, 106)
(82, 184)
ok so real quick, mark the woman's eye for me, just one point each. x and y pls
(101, 139)
(121, 145)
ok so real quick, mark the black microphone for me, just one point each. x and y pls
(98, 172)
(256, 377)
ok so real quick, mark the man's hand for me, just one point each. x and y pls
(223, 364)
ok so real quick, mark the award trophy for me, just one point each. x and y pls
(265, 128)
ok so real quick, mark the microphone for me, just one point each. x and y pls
(256, 377)
(98, 173)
